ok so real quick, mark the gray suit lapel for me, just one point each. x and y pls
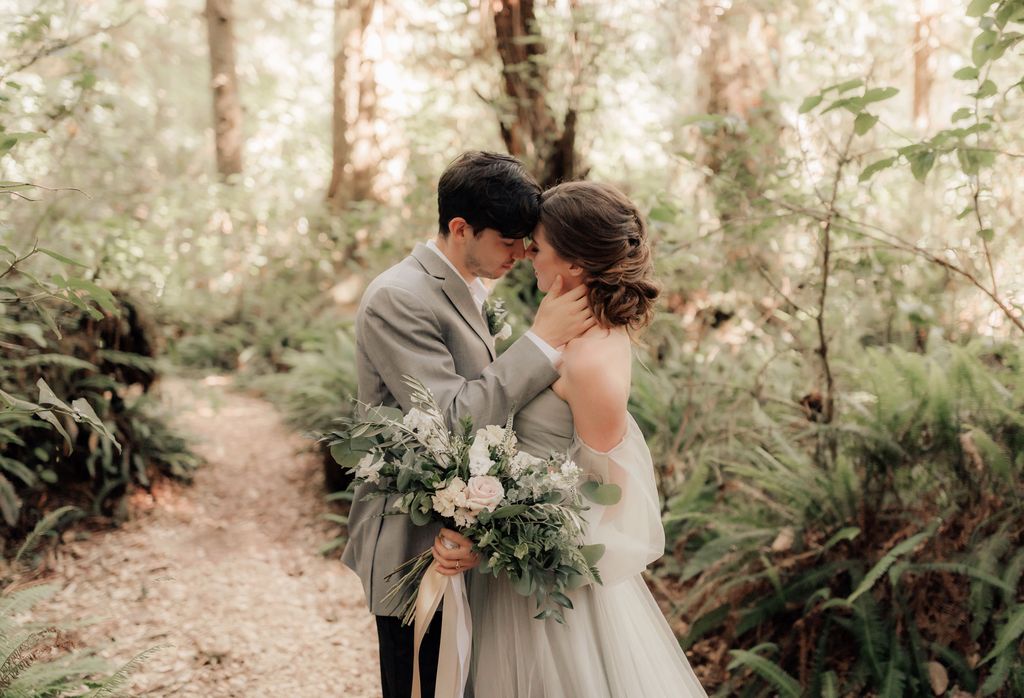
(458, 293)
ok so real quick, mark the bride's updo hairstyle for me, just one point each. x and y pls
(596, 227)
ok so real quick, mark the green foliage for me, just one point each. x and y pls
(39, 660)
(869, 539)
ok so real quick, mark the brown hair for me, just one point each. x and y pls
(596, 227)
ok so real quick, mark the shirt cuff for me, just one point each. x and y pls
(554, 356)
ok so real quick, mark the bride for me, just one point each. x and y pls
(615, 642)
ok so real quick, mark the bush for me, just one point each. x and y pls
(110, 437)
(897, 570)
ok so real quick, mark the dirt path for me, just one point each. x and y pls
(225, 572)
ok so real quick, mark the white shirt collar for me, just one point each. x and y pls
(477, 289)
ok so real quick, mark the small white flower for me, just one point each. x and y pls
(419, 421)
(504, 333)
(447, 499)
(480, 462)
(464, 518)
(369, 470)
(521, 462)
(570, 471)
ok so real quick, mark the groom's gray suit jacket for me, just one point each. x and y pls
(418, 318)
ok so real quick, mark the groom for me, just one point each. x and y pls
(424, 317)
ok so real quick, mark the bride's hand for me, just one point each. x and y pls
(453, 553)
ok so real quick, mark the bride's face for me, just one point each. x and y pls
(547, 264)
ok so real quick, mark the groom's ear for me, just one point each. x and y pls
(459, 228)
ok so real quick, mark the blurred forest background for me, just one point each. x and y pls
(833, 388)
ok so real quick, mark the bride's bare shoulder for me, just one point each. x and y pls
(598, 348)
(596, 377)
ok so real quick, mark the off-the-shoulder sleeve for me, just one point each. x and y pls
(631, 529)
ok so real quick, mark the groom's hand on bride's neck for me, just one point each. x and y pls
(563, 316)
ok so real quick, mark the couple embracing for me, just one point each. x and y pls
(568, 380)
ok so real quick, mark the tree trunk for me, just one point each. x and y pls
(530, 129)
(356, 152)
(227, 110)
(923, 76)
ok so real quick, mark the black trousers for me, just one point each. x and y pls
(396, 651)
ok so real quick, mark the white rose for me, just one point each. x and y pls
(504, 333)
(483, 492)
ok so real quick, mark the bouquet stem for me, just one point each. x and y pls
(407, 586)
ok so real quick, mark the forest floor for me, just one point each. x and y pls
(224, 574)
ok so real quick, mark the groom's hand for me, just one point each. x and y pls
(563, 316)
(454, 560)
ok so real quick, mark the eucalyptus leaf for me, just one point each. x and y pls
(605, 495)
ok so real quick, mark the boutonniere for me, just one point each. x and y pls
(497, 323)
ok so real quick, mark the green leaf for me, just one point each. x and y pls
(416, 513)
(1008, 634)
(102, 296)
(52, 420)
(61, 258)
(592, 553)
(561, 599)
(921, 164)
(978, 7)
(845, 86)
(848, 533)
(605, 495)
(785, 685)
(987, 89)
(878, 94)
(986, 234)
(508, 511)
(887, 561)
(45, 525)
(962, 113)
(47, 396)
(809, 103)
(864, 123)
(84, 411)
(966, 73)
(876, 167)
(347, 454)
(10, 505)
(981, 49)
(384, 414)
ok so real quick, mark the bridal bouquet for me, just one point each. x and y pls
(522, 513)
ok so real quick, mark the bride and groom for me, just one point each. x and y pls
(568, 378)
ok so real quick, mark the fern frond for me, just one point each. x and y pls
(776, 676)
(887, 561)
(121, 676)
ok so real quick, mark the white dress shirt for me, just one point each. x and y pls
(480, 292)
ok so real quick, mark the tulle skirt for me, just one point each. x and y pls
(615, 643)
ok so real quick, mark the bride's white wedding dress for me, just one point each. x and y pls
(615, 642)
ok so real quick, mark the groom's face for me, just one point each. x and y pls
(489, 255)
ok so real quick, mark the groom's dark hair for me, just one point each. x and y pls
(489, 190)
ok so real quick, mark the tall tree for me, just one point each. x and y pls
(924, 28)
(529, 128)
(353, 133)
(227, 109)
